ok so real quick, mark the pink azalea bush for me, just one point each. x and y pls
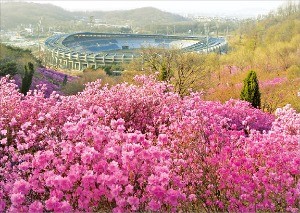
(273, 82)
(144, 148)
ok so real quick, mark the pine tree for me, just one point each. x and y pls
(250, 91)
(65, 80)
(27, 79)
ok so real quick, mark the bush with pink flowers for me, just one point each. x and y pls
(144, 148)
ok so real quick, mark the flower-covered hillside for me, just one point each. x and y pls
(144, 148)
(53, 80)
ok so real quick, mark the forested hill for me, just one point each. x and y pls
(278, 26)
(270, 44)
(17, 13)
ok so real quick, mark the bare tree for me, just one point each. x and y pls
(184, 70)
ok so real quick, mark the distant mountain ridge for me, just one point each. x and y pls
(16, 13)
(139, 16)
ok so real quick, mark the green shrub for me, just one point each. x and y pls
(8, 68)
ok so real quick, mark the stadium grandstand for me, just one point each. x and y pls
(81, 50)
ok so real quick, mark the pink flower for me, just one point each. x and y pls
(52, 203)
(128, 189)
(65, 207)
(36, 206)
(158, 191)
(3, 141)
(115, 190)
(154, 205)
(162, 139)
(21, 186)
(17, 199)
(3, 132)
(192, 197)
(134, 202)
(2, 205)
(113, 166)
(172, 197)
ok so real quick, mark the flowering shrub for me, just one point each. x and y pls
(144, 148)
(54, 75)
(272, 82)
(51, 78)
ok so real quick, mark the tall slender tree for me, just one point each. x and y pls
(27, 79)
(250, 91)
(65, 80)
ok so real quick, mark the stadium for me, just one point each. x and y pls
(81, 50)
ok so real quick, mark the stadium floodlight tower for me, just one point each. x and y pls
(206, 28)
(39, 26)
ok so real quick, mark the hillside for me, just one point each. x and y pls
(16, 55)
(13, 60)
(270, 47)
(16, 13)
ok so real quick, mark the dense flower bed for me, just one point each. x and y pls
(143, 148)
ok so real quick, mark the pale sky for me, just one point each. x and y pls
(230, 8)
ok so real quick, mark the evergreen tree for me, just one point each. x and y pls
(165, 72)
(250, 91)
(27, 79)
(163, 76)
(65, 80)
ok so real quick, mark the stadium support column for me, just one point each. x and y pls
(53, 61)
(57, 57)
(52, 58)
(95, 61)
(59, 62)
(72, 66)
(104, 59)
